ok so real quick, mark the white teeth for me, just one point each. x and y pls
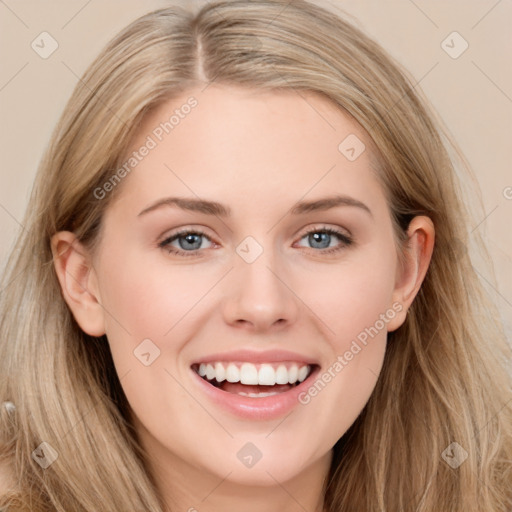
(220, 373)
(248, 374)
(210, 372)
(282, 374)
(233, 373)
(257, 395)
(293, 373)
(265, 374)
(303, 373)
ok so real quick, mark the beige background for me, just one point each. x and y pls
(473, 93)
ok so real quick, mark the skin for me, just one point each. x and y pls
(257, 153)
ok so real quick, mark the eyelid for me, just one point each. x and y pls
(346, 239)
(325, 227)
(169, 237)
(185, 230)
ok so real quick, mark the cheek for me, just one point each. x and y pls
(146, 307)
(356, 310)
(354, 301)
(147, 300)
(351, 297)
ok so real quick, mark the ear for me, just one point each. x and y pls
(78, 282)
(412, 270)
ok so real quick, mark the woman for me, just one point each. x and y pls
(240, 285)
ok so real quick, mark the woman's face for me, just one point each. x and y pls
(250, 241)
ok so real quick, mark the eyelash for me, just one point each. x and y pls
(165, 244)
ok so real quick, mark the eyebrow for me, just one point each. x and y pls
(218, 209)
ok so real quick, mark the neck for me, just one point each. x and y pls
(188, 488)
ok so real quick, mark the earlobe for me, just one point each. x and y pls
(78, 282)
(412, 270)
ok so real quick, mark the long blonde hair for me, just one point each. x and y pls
(444, 378)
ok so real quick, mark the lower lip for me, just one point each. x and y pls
(254, 408)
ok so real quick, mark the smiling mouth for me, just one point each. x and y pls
(254, 380)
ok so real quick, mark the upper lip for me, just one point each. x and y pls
(265, 356)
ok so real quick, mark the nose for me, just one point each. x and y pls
(259, 297)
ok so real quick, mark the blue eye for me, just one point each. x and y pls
(191, 242)
(326, 238)
(188, 242)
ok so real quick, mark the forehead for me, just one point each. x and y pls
(241, 143)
